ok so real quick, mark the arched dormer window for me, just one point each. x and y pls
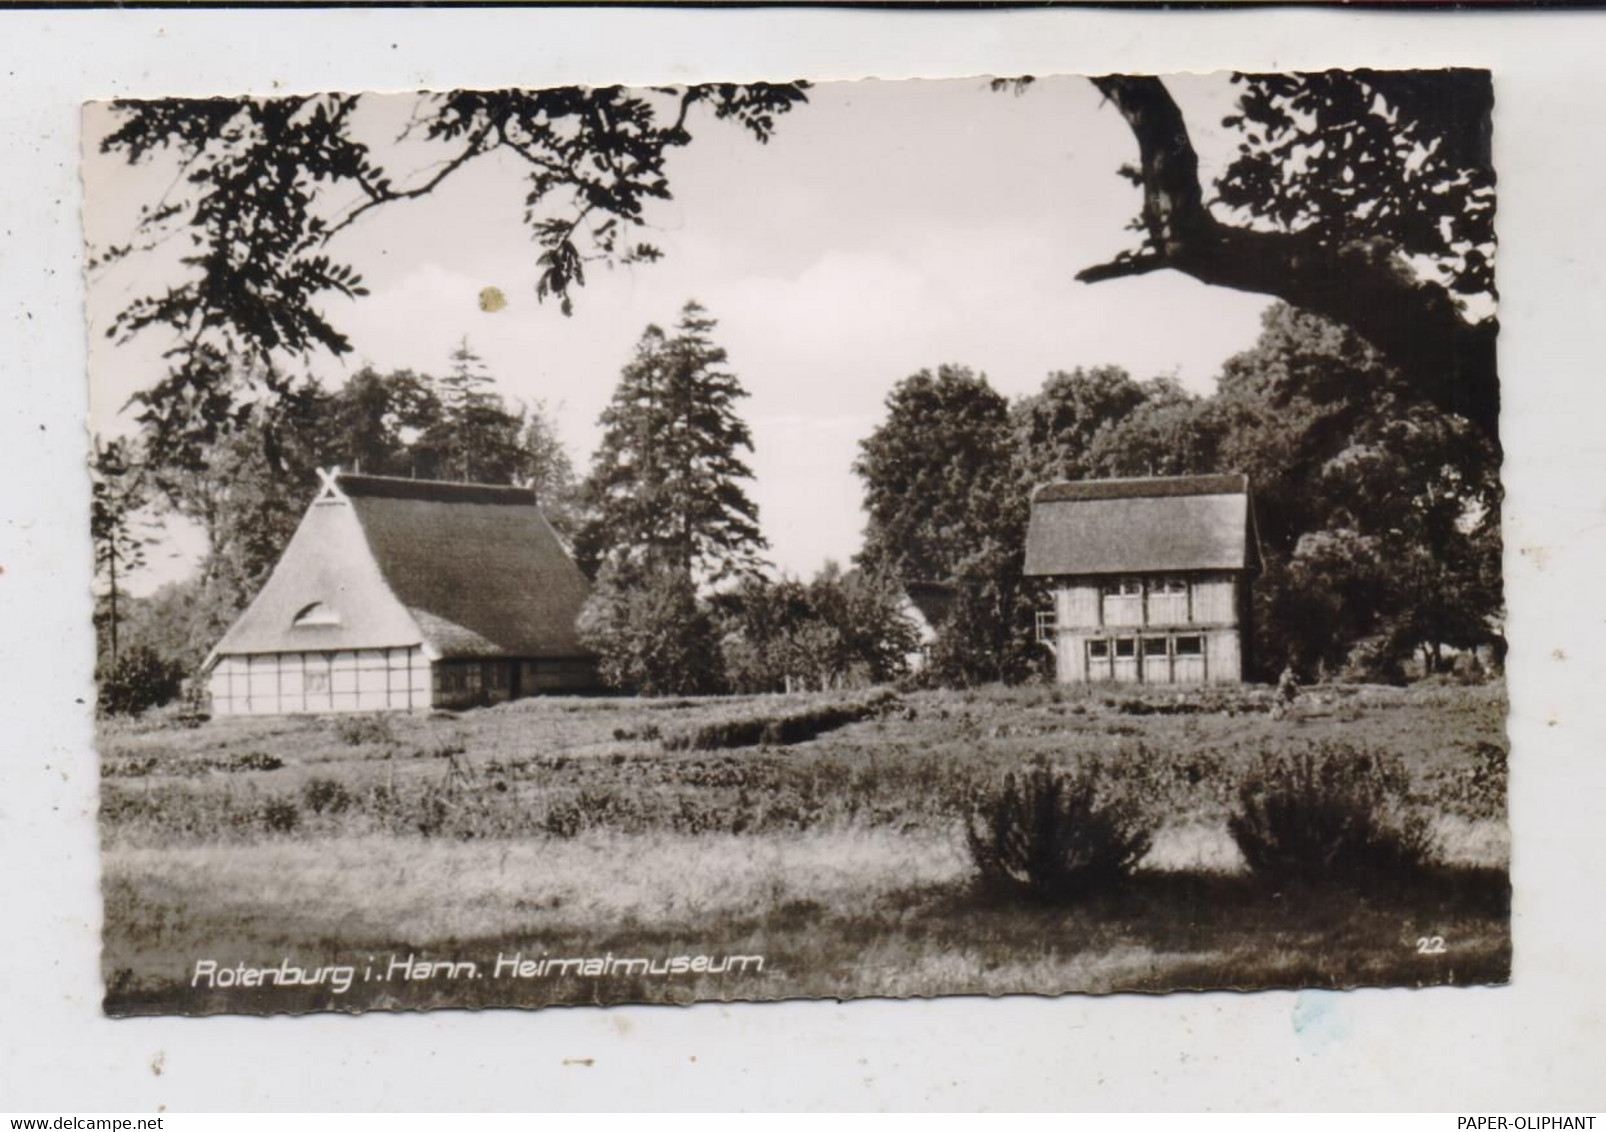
(315, 615)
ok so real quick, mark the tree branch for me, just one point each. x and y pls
(1365, 285)
(375, 198)
(1122, 267)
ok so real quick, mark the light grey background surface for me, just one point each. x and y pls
(1538, 1044)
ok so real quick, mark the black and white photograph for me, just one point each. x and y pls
(797, 540)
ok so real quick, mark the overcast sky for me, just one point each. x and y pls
(886, 228)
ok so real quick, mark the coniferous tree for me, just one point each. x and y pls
(476, 438)
(546, 469)
(117, 493)
(666, 483)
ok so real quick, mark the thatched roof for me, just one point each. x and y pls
(1135, 526)
(463, 569)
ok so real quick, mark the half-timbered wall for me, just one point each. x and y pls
(297, 682)
(1157, 629)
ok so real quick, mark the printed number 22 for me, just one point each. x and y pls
(1430, 945)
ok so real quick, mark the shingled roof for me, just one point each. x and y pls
(1133, 526)
(464, 569)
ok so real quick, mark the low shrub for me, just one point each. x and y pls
(281, 815)
(1049, 835)
(360, 730)
(326, 795)
(245, 760)
(1328, 815)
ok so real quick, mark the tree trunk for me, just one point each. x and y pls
(111, 564)
(1363, 285)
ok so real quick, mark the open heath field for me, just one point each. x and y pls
(636, 850)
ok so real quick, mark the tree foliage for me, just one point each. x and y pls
(265, 185)
(1366, 197)
(838, 630)
(1347, 156)
(666, 482)
(936, 473)
(137, 680)
(472, 438)
(945, 505)
(1378, 513)
(652, 633)
(248, 489)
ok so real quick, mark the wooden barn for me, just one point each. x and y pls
(399, 594)
(1150, 578)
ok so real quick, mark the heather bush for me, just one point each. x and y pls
(281, 815)
(326, 795)
(1052, 835)
(1331, 814)
(358, 730)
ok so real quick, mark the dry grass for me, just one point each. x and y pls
(564, 826)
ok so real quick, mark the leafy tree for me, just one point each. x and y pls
(137, 680)
(868, 611)
(1425, 489)
(1357, 477)
(1364, 196)
(1171, 432)
(666, 480)
(117, 494)
(759, 625)
(1377, 511)
(840, 629)
(249, 487)
(1345, 183)
(1056, 429)
(182, 620)
(652, 634)
(375, 419)
(989, 633)
(937, 475)
(264, 186)
(945, 504)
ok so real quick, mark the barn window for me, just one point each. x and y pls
(1124, 587)
(316, 614)
(1098, 650)
(1168, 586)
(1046, 626)
(1126, 648)
(1190, 646)
(1154, 646)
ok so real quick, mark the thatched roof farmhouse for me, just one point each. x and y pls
(1150, 576)
(407, 594)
